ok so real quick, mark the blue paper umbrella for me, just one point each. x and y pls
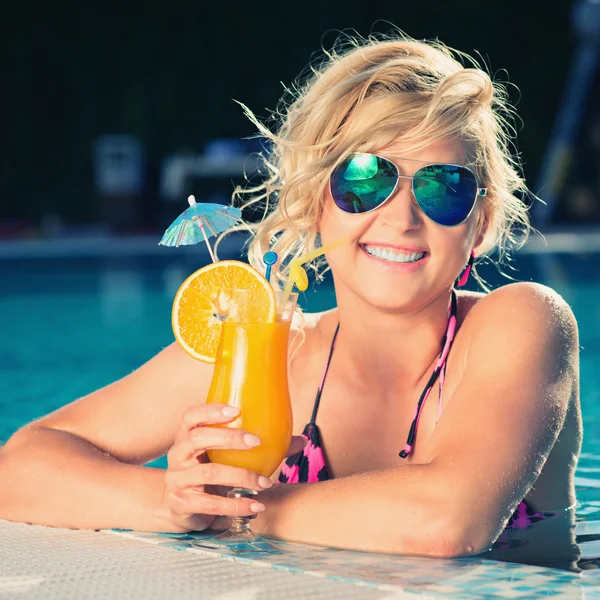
(199, 222)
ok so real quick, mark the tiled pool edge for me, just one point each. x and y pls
(464, 578)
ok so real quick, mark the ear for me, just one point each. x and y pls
(483, 223)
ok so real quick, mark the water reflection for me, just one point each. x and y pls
(548, 543)
(569, 540)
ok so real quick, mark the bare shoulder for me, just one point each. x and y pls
(525, 301)
(523, 317)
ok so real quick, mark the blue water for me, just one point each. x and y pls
(70, 326)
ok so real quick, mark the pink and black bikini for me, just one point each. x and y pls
(309, 465)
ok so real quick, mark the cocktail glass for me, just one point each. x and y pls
(251, 373)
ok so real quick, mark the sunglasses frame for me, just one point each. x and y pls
(480, 192)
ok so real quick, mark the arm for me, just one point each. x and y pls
(80, 466)
(487, 450)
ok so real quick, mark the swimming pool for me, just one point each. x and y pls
(69, 326)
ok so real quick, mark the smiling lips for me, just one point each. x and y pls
(394, 255)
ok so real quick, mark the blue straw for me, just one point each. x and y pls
(269, 258)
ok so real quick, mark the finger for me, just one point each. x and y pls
(199, 522)
(216, 474)
(220, 523)
(189, 502)
(203, 438)
(298, 444)
(205, 414)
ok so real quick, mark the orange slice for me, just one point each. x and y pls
(204, 299)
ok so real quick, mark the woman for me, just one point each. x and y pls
(394, 145)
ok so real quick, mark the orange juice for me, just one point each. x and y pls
(251, 373)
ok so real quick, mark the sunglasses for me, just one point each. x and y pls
(445, 193)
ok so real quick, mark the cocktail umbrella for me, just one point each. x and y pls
(199, 222)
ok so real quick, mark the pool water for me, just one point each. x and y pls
(70, 326)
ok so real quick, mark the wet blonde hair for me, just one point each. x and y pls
(365, 94)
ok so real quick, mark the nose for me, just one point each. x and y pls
(401, 211)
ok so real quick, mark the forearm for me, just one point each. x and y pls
(52, 477)
(387, 511)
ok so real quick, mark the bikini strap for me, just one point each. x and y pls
(439, 368)
(439, 371)
(320, 390)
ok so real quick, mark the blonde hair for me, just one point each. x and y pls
(401, 90)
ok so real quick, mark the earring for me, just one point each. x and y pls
(464, 277)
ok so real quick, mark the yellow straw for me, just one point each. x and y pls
(326, 248)
(304, 258)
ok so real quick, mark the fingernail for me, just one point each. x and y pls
(264, 482)
(257, 507)
(251, 440)
(230, 411)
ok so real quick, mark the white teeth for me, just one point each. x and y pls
(392, 255)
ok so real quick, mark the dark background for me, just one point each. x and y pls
(167, 73)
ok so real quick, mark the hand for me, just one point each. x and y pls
(191, 493)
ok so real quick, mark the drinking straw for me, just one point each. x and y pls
(269, 258)
(298, 275)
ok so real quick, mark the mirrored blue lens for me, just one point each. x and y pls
(445, 193)
(363, 182)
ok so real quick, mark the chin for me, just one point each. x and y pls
(393, 303)
(387, 296)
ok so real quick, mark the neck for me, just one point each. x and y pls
(390, 350)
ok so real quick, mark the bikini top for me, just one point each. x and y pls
(309, 466)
